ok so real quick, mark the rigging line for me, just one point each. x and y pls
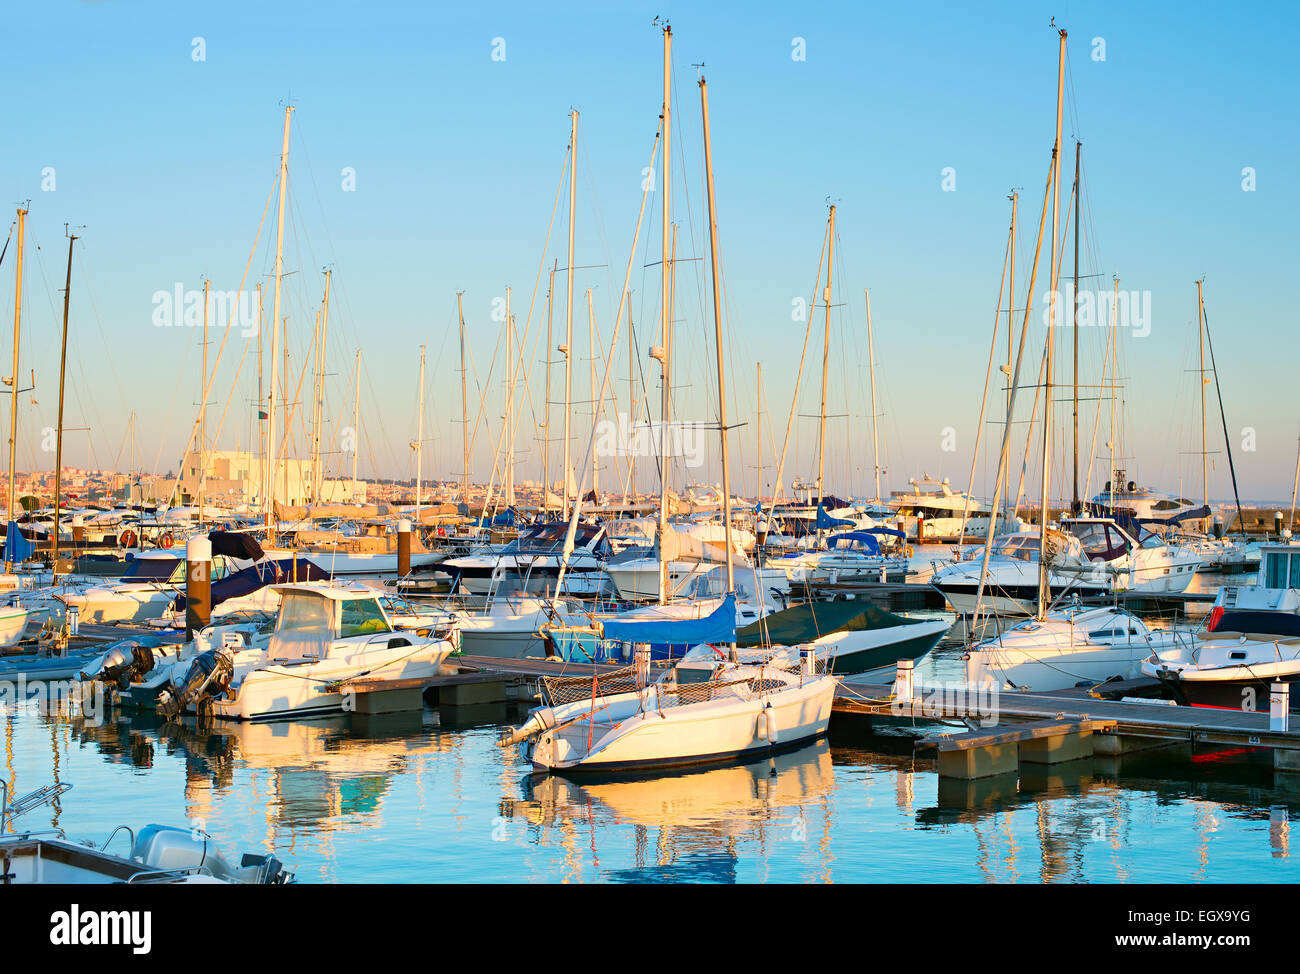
(207, 379)
(794, 399)
(1227, 443)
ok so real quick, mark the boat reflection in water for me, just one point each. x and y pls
(691, 826)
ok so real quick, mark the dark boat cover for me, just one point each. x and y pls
(264, 573)
(804, 623)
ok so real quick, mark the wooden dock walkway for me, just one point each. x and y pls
(1136, 724)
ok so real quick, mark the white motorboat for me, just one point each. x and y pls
(159, 854)
(1250, 641)
(325, 636)
(1090, 557)
(511, 626)
(853, 555)
(1065, 648)
(530, 563)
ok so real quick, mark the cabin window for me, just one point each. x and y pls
(1281, 570)
(361, 617)
(303, 613)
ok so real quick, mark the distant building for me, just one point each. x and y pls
(239, 474)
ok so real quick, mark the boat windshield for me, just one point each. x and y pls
(304, 613)
(362, 617)
(1022, 547)
(1100, 542)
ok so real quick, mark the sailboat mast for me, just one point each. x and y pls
(665, 309)
(871, 368)
(1074, 327)
(758, 438)
(568, 301)
(13, 401)
(510, 404)
(1043, 591)
(419, 444)
(1200, 346)
(203, 410)
(464, 405)
(268, 502)
(63, 368)
(546, 405)
(826, 360)
(318, 468)
(356, 424)
(717, 333)
(595, 392)
(1011, 324)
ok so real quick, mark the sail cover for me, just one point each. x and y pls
(17, 547)
(719, 626)
(804, 623)
(825, 522)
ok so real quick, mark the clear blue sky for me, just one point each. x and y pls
(168, 163)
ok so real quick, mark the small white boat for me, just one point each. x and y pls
(1065, 648)
(13, 623)
(158, 854)
(622, 721)
(325, 636)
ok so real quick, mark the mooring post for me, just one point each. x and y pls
(198, 584)
(904, 688)
(1279, 707)
(403, 548)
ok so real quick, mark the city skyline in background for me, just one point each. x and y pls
(430, 164)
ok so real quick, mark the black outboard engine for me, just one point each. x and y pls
(123, 665)
(208, 678)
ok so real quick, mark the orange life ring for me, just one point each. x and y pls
(127, 539)
(166, 541)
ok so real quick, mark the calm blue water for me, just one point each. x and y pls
(429, 797)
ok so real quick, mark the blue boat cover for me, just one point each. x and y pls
(249, 580)
(506, 518)
(21, 549)
(864, 538)
(825, 522)
(890, 531)
(717, 627)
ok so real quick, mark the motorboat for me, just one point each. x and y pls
(531, 562)
(1065, 648)
(1089, 557)
(157, 854)
(848, 556)
(1250, 640)
(325, 635)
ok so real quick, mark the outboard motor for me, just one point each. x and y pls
(208, 678)
(123, 665)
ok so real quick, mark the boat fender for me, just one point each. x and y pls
(761, 730)
(769, 716)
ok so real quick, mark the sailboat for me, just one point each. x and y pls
(1056, 648)
(627, 720)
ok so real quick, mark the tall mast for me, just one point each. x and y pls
(717, 333)
(318, 470)
(510, 404)
(1043, 592)
(13, 391)
(269, 472)
(356, 425)
(419, 444)
(546, 405)
(1200, 343)
(1074, 327)
(63, 368)
(464, 406)
(1114, 377)
(871, 363)
(261, 428)
(1011, 327)
(203, 410)
(568, 301)
(595, 392)
(665, 308)
(826, 359)
(759, 435)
